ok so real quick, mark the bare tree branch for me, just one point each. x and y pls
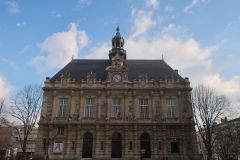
(2, 108)
(208, 106)
(25, 107)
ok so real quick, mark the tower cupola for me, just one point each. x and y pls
(117, 45)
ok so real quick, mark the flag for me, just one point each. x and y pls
(43, 117)
(162, 118)
(107, 119)
(134, 118)
(99, 118)
(69, 118)
(118, 113)
(189, 117)
(78, 118)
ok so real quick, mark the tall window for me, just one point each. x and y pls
(60, 131)
(144, 109)
(89, 107)
(116, 107)
(62, 109)
(171, 108)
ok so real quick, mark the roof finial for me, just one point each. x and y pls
(118, 29)
(162, 57)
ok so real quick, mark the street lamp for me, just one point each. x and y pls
(47, 143)
(142, 154)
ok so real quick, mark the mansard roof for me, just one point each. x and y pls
(155, 69)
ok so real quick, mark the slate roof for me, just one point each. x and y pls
(155, 69)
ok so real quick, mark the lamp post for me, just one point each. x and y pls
(48, 142)
(142, 154)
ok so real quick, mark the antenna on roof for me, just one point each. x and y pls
(72, 56)
(162, 57)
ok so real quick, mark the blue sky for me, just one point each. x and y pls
(200, 38)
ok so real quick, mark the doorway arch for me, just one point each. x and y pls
(87, 145)
(145, 145)
(116, 145)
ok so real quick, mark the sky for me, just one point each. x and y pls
(200, 38)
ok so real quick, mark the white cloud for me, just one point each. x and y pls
(11, 63)
(229, 87)
(20, 24)
(194, 4)
(56, 14)
(169, 8)
(99, 52)
(82, 3)
(4, 88)
(232, 24)
(59, 48)
(13, 7)
(142, 22)
(152, 3)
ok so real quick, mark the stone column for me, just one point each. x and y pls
(151, 108)
(136, 142)
(55, 106)
(154, 142)
(107, 143)
(126, 141)
(68, 144)
(78, 140)
(165, 143)
(97, 142)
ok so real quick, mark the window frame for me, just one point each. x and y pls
(144, 108)
(60, 131)
(89, 107)
(171, 108)
(116, 105)
(62, 107)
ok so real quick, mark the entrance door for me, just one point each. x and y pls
(116, 145)
(87, 145)
(145, 145)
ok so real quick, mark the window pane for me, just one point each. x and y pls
(171, 109)
(89, 110)
(143, 107)
(62, 109)
(116, 108)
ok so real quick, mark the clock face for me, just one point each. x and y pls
(117, 78)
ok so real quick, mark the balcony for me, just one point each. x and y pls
(172, 120)
(116, 119)
(88, 119)
(144, 120)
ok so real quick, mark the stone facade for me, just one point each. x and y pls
(117, 109)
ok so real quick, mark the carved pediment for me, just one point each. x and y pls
(65, 78)
(142, 79)
(91, 78)
(117, 64)
(169, 80)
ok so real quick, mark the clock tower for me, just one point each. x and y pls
(117, 71)
(117, 46)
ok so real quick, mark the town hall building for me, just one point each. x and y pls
(117, 108)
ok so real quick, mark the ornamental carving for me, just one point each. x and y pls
(158, 108)
(169, 80)
(91, 78)
(103, 108)
(117, 63)
(65, 78)
(142, 79)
